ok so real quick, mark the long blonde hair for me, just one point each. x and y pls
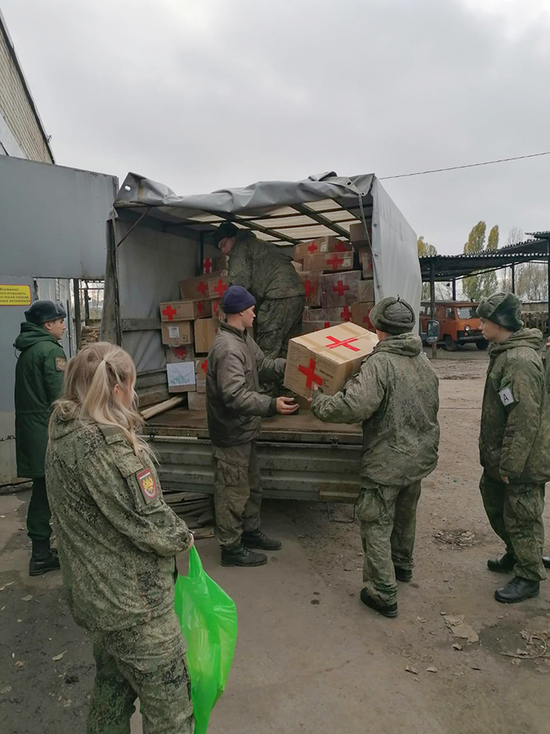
(89, 391)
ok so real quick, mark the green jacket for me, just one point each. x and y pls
(395, 396)
(235, 407)
(38, 383)
(515, 421)
(117, 538)
(263, 269)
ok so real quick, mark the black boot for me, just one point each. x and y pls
(385, 609)
(258, 540)
(43, 558)
(403, 574)
(502, 564)
(518, 589)
(241, 556)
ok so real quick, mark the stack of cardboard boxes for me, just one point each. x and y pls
(188, 330)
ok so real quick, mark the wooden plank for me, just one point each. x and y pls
(161, 407)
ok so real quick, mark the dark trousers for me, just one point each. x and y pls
(38, 514)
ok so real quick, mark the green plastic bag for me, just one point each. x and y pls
(208, 618)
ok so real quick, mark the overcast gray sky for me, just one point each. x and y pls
(207, 94)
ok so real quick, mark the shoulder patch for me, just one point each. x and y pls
(60, 364)
(147, 484)
(506, 396)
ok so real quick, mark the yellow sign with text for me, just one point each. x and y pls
(15, 295)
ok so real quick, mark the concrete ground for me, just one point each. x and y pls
(310, 657)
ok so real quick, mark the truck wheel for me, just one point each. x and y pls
(450, 344)
(482, 344)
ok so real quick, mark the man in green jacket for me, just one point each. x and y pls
(266, 272)
(395, 397)
(514, 445)
(235, 408)
(38, 383)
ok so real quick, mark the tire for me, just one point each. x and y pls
(482, 344)
(450, 344)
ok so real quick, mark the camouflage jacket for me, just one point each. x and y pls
(263, 269)
(117, 538)
(235, 407)
(395, 396)
(514, 439)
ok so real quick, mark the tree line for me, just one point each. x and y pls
(531, 280)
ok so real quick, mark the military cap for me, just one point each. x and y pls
(42, 311)
(226, 229)
(503, 309)
(393, 316)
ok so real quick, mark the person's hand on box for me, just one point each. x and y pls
(286, 406)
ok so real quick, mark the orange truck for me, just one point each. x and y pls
(458, 323)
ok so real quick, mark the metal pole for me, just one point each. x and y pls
(432, 303)
(513, 278)
(454, 289)
(77, 316)
(86, 306)
(548, 286)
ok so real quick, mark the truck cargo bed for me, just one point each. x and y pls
(300, 457)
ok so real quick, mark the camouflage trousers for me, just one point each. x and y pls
(277, 321)
(238, 495)
(146, 661)
(387, 517)
(515, 513)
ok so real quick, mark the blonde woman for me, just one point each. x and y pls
(117, 543)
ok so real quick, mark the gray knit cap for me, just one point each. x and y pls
(503, 309)
(393, 316)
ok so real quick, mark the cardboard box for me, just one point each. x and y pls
(330, 261)
(365, 290)
(340, 289)
(217, 287)
(178, 333)
(312, 288)
(365, 261)
(314, 314)
(201, 365)
(327, 358)
(196, 400)
(340, 314)
(310, 326)
(181, 376)
(192, 289)
(321, 244)
(213, 265)
(298, 267)
(216, 310)
(358, 237)
(360, 314)
(205, 331)
(185, 310)
(179, 354)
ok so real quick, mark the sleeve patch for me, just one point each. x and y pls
(60, 364)
(147, 484)
(506, 396)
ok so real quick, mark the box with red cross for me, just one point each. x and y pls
(330, 243)
(213, 265)
(329, 261)
(311, 287)
(193, 289)
(360, 314)
(217, 287)
(185, 310)
(340, 289)
(326, 358)
(201, 365)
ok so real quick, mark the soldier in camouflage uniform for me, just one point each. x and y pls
(117, 544)
(514, 445)
(266, 272)
(395, 397)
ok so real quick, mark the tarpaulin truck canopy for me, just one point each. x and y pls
(157, 238)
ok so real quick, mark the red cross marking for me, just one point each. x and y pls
(180, 352)
(216, 308)
(346, 314)
(312, 247)
(169, 312)
(200, 307)
(335, 261)
(202, 288)
(308, 287)
(339, 246)
(327, 324)
(344, 343)
(220, 287)
(204, 365)
(207, 265)
(340, 288)
(309, 372)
